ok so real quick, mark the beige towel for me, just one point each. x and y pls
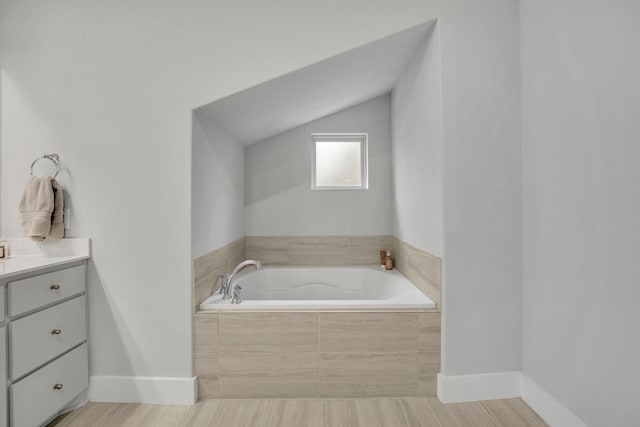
(39, 205)
(57, 218)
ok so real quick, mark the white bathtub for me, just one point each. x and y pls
(322, 288)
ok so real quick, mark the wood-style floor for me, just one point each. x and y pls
(379, 412)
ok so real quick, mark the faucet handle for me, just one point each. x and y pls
(224, 283)
(236, 294)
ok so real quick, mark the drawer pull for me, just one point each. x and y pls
(57, 387)
(55, 287)
(56, 332)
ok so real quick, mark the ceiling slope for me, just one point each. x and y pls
(317, 90)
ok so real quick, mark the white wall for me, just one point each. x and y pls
(110, 86)
(482, 293)
(279, 199)
(417, 150)
(581, 99)
(217, 186)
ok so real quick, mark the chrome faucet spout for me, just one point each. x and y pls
(232, 276)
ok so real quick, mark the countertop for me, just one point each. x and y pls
(26, 256)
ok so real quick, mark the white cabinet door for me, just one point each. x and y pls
(39, 337)
(39, 396)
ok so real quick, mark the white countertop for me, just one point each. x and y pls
(26, 256)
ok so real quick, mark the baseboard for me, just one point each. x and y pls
(547, 406)
(505, 385)
(159, 390)
(468, 388)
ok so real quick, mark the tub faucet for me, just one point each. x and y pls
(224, 284)
(232, 276)
(236, 294)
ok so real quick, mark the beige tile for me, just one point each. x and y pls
(368, 374)
(93, 413)
(206, 412)
(208, 267)
(370, 413)
(217, 412)
(428, 368)
(206, 365)
(458, 415)
(429, 336)
(205, 333)
(256, 413)
(400, 256)
(318, 250)
(291, 413)
(343, 413)
(206, 369)
(420, 267)
(365, 250)
(269, 250)
(421, 415)
(390, 412)
(512, 413)
(375, 412)
(208, 387)
(268, 332)
(155, 415)
(340, 332)
(436, 271)
(268, 374)
(172, 416)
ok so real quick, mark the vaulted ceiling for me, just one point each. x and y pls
(317, 90)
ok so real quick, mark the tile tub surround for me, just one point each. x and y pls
(420, 267)
(208, 267)
(317, 354)
(316, 250)
(312, 352)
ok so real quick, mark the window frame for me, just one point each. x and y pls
(361, 137)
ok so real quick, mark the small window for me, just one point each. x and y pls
(339, 161)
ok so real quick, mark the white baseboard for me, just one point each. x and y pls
(505, 385)
(468, 388)
(547, 406)
(159, 390)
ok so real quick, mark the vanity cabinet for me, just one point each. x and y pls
(43, 336)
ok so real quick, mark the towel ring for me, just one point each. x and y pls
(52, 158)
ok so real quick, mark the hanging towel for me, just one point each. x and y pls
(36, 207)
(57, 218)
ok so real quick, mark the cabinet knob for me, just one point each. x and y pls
(57, 387)
(56, 332)
(55, 287)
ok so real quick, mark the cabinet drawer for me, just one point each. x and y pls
(34, 292)
(36, 398)
(39, 337)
